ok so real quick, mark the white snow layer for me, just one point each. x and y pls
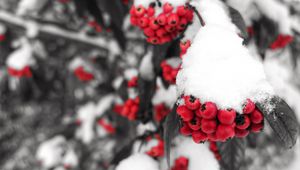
(146, 67)
(138, 162)
(199, 155)
(217, 67)
(50, 152)
(21, 57)
(70, 158)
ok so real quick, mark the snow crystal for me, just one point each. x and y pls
(199, 155)
(217, 67)
(138, 162)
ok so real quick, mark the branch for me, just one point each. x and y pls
(78, 37)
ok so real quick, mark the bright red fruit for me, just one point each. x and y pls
(143, 22)
(226, 117)
(162, 19)
(185, 113)
(185, 130)
(167, 7)
(140, 11)
(191, 102)
(173, 20)
(153, 24)
(208, 110)
(208, 126)
(249, 107)
(149, 32)
(181, 11)
(225, 132)
(256, 128)
(241, 133)
(246, 123)
(195, 123)
(150, 11)
(199, 136)
(256, 117)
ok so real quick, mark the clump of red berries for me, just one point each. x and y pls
(161, 111)
(25, 72)
(181, 163)
(184, 45)
(108, 127)
(158, 150)
(169, 73)
(133, 82)
(281, 41)
(205, 122)
(214, 148)
(83, 74)
(130, 108)
(162, 27)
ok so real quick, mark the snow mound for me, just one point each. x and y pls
(200, 157)
(138, 162)
(217, 67)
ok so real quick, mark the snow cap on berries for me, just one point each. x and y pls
(217, 67)
(137, 162)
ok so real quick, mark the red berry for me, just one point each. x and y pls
(173, 19)
(191, 102)
(225, 132)
(132, 116)
(226, 117)
(199, 136)
(213, 146)
(132, 11)
(181, 162)
(256, 117)
(134, 109)
(153, 24)
(181, 10)
(153, 40)
(140, 11)
(182, 24)
(149, 32)
(185, 130)
(165, 39)
(134, 21)
(161, 32)
(125, 111)
(185, 45)
(208, 126)
(212, 137)
(167, 7)
(249, 107)
(256, 128)
(143, 22)
(195, 123)
(241, 133)
(162, 19)
(150, 11)
(245, 123)
(170, 28)
(208, 110)
(189, 15)
(185, 113)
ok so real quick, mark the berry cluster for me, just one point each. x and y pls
(206, 122)
(25, 72)
(168, 72)
(130, 108)
(181, 163)
(281, 41)
(184, 45)
(133, 82)
(83, 75)
(160, 112)
(213, 147)
(158, 150)
(164, 26)
(109, 128)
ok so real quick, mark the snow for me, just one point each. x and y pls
(130, 73)
(2, 29)
(50, 152)
(21, 57)
(32, 29)
(28, 6)
(142, 128)
(199, 155)
(146, 67)
(164, 95)
(70, 158)
(138, 162)
(217, 67)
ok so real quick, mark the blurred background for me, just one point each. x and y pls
(67, 67)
